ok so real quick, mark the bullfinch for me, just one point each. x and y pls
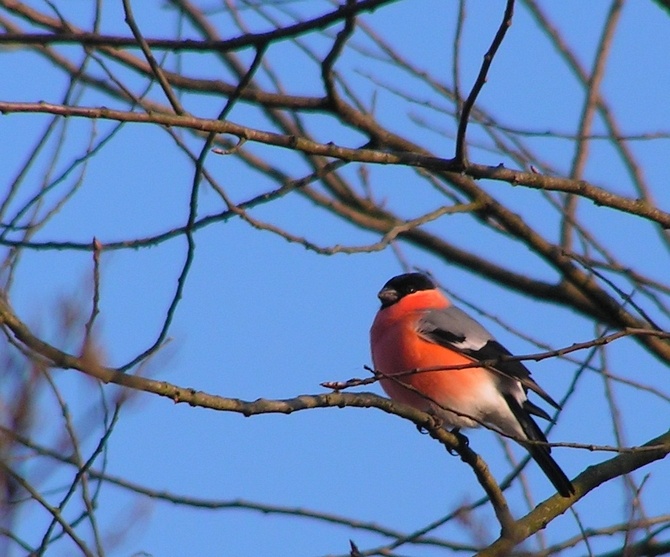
(418, 329)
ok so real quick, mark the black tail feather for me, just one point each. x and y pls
(551, 469)
(540, 453)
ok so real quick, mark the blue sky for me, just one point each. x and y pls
(261, 317)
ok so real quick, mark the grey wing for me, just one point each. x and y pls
(453, 328)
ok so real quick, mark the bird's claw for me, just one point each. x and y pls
(463, 441)
(436, 423)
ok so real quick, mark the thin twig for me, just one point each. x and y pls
(461, 157)
(155, 68)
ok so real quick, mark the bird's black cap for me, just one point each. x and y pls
(402, 285)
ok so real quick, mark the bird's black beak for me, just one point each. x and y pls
(388, 296)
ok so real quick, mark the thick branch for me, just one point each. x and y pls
(97, 40)
(477, 171)
(587, 481)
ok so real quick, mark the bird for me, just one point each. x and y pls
(418, 332)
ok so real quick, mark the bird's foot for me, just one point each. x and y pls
(436, 423)
(462, 440)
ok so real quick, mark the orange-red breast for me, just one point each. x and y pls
(417, 328)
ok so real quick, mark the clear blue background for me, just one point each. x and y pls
(261, 317)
